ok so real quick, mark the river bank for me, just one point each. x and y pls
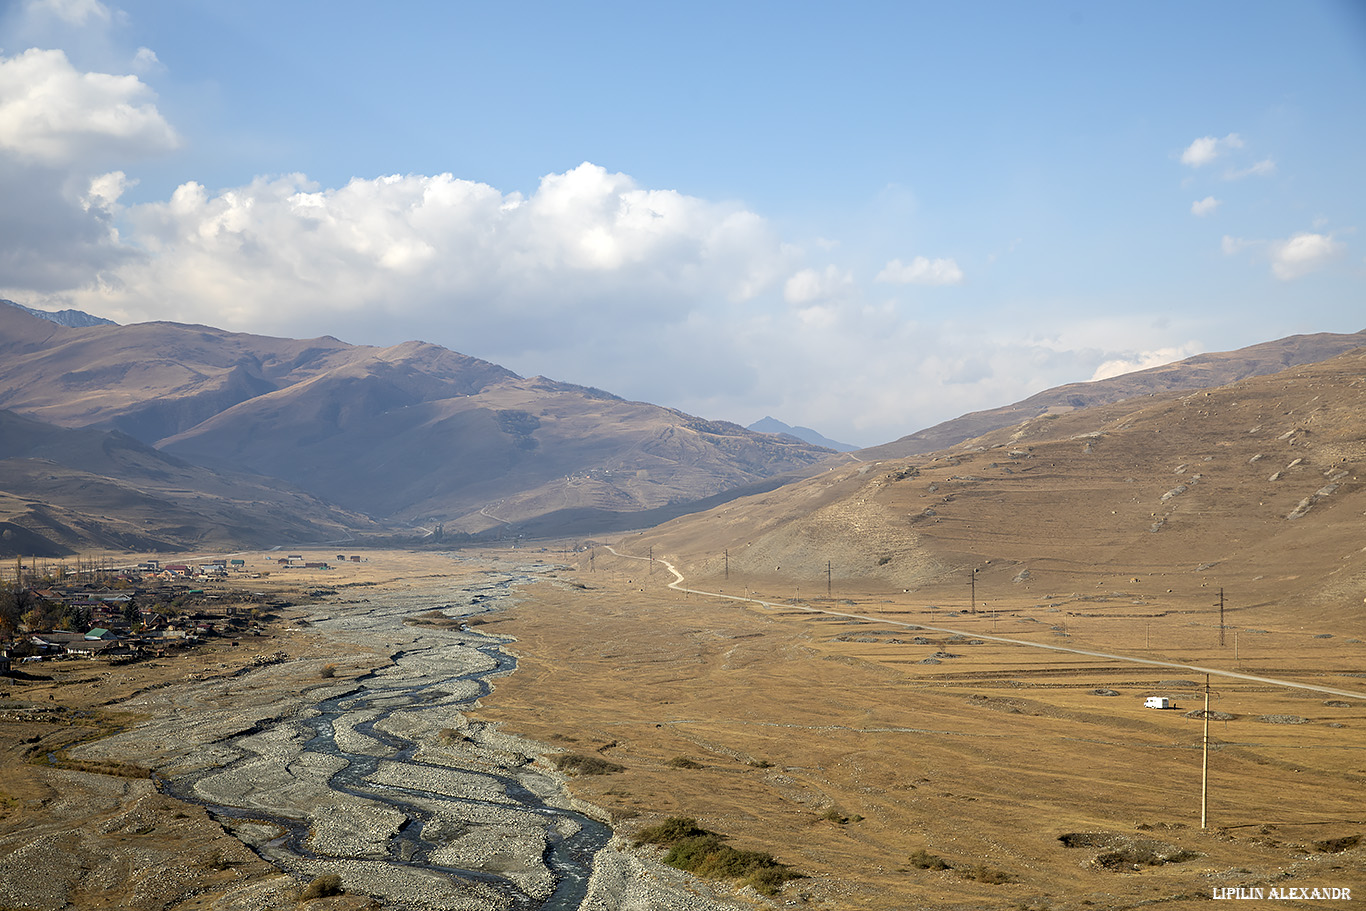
(354, 758)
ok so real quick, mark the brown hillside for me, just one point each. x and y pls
(64, 490)
(408, 433)
(1200, 372)
(1252, 487)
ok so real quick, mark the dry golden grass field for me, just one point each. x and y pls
(1036, 776)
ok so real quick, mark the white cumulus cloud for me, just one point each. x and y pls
(1302, 254)
(1143, 360)
(1203, 207)
(53, 114)
(921, 271)
(588, 245)
(810, 285)
(1208, 148)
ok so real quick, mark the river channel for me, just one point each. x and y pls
(381, 779)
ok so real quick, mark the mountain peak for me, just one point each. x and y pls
(770, 424)
(72, 319)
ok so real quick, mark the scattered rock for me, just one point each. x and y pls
(1118, 851)
(1283, 719)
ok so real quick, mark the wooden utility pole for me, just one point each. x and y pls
(1221, 616)
(827, 578)
(973, 587)
(727, 562)
(1204, 762)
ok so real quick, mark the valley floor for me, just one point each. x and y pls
(901, 767)
(893, 767)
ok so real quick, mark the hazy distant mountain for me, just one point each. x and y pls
(1199, 372)
(73, 319)
(411, 433)
(773, 425)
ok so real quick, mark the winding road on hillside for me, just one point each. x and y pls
(677, 585)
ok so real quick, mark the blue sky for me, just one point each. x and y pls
(864, 218)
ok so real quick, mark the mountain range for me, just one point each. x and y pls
(411, 436)
(165, 436)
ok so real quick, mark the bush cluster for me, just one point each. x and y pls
(706, 854)
(579, 764)
(924, 860)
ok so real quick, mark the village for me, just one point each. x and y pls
(146, 610)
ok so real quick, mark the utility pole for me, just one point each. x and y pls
(827, 578)
(727, 562)
(652, 558)
(973, 586)
(1221, 616)
(1204, 762)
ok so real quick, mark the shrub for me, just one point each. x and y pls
(670, 830)
(923, 860)
(327, 884)
(684, 762)
(706, 854)
(329, 670)
(579, 764)
(987, 875)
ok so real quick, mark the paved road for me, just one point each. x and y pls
(677, 585)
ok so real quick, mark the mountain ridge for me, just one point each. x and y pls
(1256, 485)
(1197, 372)
(406, 433)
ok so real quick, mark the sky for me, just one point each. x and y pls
(863, 218)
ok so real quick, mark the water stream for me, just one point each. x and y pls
(386, 784)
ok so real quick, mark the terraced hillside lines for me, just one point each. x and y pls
(1199, 372)
(1254, 488)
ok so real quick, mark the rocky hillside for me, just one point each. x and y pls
(1254, 487)
(1199, 372)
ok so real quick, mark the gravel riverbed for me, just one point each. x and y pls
(383, 781)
